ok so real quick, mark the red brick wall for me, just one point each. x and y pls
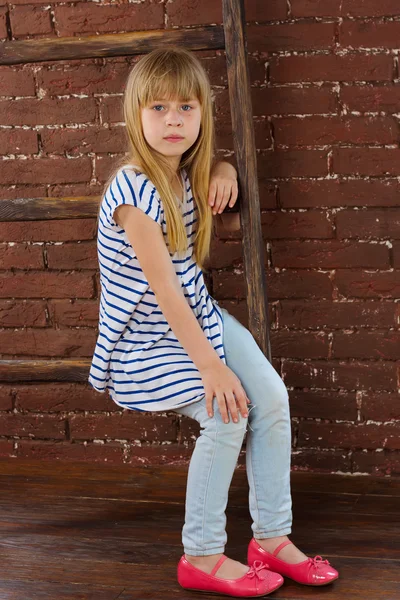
(326, 100)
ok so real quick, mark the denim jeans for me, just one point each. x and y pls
(268, 451)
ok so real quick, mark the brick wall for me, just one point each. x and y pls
(326, 98)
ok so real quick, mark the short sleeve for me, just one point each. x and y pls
(128, 187)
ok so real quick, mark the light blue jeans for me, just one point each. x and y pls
(214, 458)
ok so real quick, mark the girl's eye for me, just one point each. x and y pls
(187, 105)
(157, 106)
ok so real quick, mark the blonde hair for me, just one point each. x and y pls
(172, 73)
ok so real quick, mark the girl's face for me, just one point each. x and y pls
(171, 127)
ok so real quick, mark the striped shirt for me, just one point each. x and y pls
(137, 357)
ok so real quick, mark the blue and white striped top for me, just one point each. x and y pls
(137, 357)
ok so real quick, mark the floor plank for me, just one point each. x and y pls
(84, 532)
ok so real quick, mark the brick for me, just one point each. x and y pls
(76, 189)
(310, 224)
(307, 193)
(287, 284)
(47, 111)
(21, 256)
(3, 23)
(22, 191)
(323, 404)
(6, 399)
(358, 284)
(156, 454)
(18, 141)
(85, 78)
(125, 425)
(110, 453)
(316, 8)
(376, 463)
(224, 134)
(267, 193)
(292, 163)
(46, 231)
(370, 8)
(344, 435)
(111, 109)
(274, 10)
(396, 255)
(85, 140)
(7, 449)
(46, 170)
(336, 315)
(329, 254)
(61, 397)
(318, 131)
(299, 344)
(323, 461)
(46, 285)
(380, 406)
(17, 82)
(338, 8)
(354, 375)
(366, 161)
(281, 100)
(366, 223)
(330, 67)
(366, 344)
(371, 98)
(38, 426)
(81, 255)
(30, 20)
(290, 36)
(23, 313)
(364, 34)
(48, 342)
(225, 254)
(94, 18)
(74, 313)
(193, 12)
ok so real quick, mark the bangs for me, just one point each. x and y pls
(171, 81)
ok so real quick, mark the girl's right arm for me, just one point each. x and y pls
(147, 239)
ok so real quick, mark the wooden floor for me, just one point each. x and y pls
(92, 532)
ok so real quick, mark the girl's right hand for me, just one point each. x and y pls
(220, 381)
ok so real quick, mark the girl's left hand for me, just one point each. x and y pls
(223, 187)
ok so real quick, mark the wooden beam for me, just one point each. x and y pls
(121, 44)
(19, 371)
(245, 150)
(42, 209)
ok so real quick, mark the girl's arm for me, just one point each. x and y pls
(146, 237)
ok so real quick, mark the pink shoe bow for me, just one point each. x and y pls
(317, 561)
(256, 567)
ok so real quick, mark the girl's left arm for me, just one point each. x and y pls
(224, 190)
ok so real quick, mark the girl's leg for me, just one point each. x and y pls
(209, 477)
(268, 442)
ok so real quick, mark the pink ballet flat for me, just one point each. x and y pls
(258, 581)
(313, 571)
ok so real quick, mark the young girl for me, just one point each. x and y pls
(164, 343)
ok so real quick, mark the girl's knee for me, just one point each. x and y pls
(275, 399)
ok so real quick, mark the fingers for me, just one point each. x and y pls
(243, 401)
(231, 402)
(222, 406)
(222, 193)
(209, 403)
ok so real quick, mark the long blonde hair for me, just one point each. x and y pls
(172, 73)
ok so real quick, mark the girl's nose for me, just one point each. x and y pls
(174, 118)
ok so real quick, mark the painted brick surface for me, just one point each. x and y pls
(326, 96)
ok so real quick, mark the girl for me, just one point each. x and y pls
(165, 344)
